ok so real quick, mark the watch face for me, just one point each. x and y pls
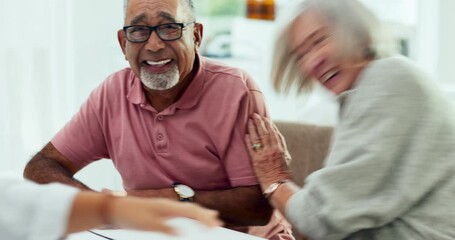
(184, 191)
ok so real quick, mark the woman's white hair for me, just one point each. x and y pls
(359, 31)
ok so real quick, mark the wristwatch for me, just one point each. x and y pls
(184, 192)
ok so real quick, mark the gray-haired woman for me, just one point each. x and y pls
(390, 173)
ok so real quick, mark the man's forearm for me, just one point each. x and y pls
(44, 170)
(241, 206)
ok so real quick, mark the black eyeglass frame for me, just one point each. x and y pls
(155, 29)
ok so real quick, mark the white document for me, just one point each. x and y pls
(188, 230)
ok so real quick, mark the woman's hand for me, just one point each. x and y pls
(93, 209)
(268, 151)
(151, 214)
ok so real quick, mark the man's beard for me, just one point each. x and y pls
(160, 81)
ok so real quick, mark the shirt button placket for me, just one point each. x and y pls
(160, 136)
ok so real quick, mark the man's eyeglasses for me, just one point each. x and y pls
(166, 32)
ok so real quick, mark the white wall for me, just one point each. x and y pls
(435, 42)
(446, 43)
(52, 54)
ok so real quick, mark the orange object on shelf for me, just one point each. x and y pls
(260, 9)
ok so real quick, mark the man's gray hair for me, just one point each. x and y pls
(189, 4)
(359, 31)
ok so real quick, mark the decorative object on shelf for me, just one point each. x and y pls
(260, 9)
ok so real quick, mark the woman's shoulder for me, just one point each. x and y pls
(392, 65)
(392, 82)
(399, 73)
(397, 61)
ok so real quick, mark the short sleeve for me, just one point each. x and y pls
(236, 159)
(82, 139)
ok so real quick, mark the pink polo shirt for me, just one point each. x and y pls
(197, 141)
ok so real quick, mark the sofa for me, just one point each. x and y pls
(308, 146)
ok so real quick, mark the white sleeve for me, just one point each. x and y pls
(29, 211)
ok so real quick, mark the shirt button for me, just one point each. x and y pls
(160, 118)
(159, 137)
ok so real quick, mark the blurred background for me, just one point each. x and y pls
(54, 52)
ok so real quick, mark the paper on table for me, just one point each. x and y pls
(189, 230)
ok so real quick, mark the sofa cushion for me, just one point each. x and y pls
(308, 146)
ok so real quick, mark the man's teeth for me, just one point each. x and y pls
(153, 63)
(328, 75)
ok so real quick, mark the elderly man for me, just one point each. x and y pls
(172, 123)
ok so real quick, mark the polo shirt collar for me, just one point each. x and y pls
(136, 93)
(189, 98)
(193, 92)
